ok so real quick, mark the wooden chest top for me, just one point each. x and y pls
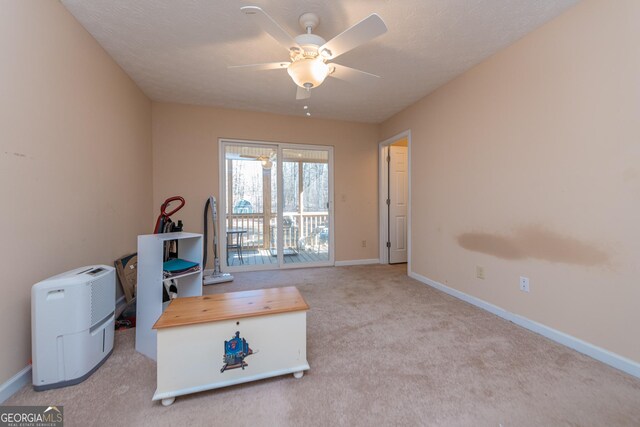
(231, 305)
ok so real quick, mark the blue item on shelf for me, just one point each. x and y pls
(178, 265)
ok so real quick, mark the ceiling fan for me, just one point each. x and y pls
(310, 54)
(266, 161)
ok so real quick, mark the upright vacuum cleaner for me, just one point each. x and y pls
(164, 224)
(211, 277)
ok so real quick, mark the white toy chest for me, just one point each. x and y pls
(213, 341)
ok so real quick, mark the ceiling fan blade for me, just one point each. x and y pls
(265, 66)
(351, 74)
(270, 26)
(303, 93)
(369, 28)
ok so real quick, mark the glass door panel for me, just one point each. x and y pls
(250, 188)
(305, 201)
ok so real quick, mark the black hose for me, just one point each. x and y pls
(206, 239)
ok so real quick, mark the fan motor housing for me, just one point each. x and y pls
(310, 43)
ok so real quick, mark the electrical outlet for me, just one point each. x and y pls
(480, 272)
(364, 243)
(524, 284)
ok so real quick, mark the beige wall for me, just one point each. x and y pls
(526, 165)
(529, 164)
(75, 160)
(185, 162)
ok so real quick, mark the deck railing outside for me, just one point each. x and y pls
(298, 229)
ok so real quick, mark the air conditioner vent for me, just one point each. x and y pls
(102, 298)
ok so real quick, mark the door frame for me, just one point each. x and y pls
(383, 189)
(222, 206)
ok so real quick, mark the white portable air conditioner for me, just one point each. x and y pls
(72, 325)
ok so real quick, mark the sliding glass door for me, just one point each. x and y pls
(305, 194)
(277, 205)
(249, 203)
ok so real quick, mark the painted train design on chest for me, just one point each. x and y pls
(235, 350)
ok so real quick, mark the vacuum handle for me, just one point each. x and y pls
(166, 203)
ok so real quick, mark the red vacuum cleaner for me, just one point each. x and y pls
(164, 223)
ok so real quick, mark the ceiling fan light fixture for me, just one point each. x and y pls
(308, 72)
(310, 53)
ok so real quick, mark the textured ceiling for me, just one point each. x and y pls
(179, 51)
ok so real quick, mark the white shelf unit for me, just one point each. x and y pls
(150, 282)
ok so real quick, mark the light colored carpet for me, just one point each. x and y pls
(384, 350)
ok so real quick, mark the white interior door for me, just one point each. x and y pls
(398, 203)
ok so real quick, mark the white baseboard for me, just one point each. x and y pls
(15, 383)
(605, 356)
(357, 262)
(121, 304)
(120, 300)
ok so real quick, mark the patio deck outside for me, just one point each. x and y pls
(305, 239)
